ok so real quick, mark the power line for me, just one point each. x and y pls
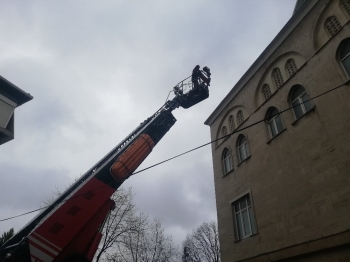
(184, 153)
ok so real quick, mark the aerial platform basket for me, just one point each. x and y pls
(188, 95)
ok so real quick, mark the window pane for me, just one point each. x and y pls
(297, 109)
(307, 103)
(237, 207)
(332, 25)
(243, 203)
(279, 123)
(345, 50)
(291, 67)
(346, 64)
(252, 221)
(242, 140)
(242, 153)
(297, 92)
(226, 154)
(240, 117)
(239, 225)
(246, 223)
(277, 77)
(246, 148)
(272, 129)
(272, 113)
(266, 91)
(227, 165)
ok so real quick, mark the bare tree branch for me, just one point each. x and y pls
(119, 221)
(203, 244)
(145, 243)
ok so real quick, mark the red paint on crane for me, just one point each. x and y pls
(80, 215)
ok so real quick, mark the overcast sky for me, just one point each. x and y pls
(96, 69)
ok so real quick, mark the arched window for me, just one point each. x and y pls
(240, 117)
(291, 67)
(224, 131)
(227, 161)
(266, 91)
(344, 55)
(231, 121)
(274, 122)
(332, 25)
(242, 148)
(345, 5)
(277, 77)
(300, 101)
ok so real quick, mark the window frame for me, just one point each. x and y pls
(330, 22)
(226, 159)
(271, 120)
(268, 93)
(242, 147)
(239, 224)
(232, 123)
(240, 117)
(347, 56)
(345, 7)
(291, 67)
(277, 77)
(300, 101)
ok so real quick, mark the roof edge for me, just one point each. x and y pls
(13, 92)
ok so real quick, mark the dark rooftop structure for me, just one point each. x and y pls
(10, 97)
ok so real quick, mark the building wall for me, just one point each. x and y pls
(298, 181)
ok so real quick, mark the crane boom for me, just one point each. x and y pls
(69, 229)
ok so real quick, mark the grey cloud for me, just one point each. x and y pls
(27, 187)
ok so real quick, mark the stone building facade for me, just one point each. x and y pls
(282, 168)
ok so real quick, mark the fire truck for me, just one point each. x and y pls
(69, 229)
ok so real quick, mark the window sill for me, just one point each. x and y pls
(239, 240)
(244, 160)
(269, 141)
(311, 110)
(229, 172)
